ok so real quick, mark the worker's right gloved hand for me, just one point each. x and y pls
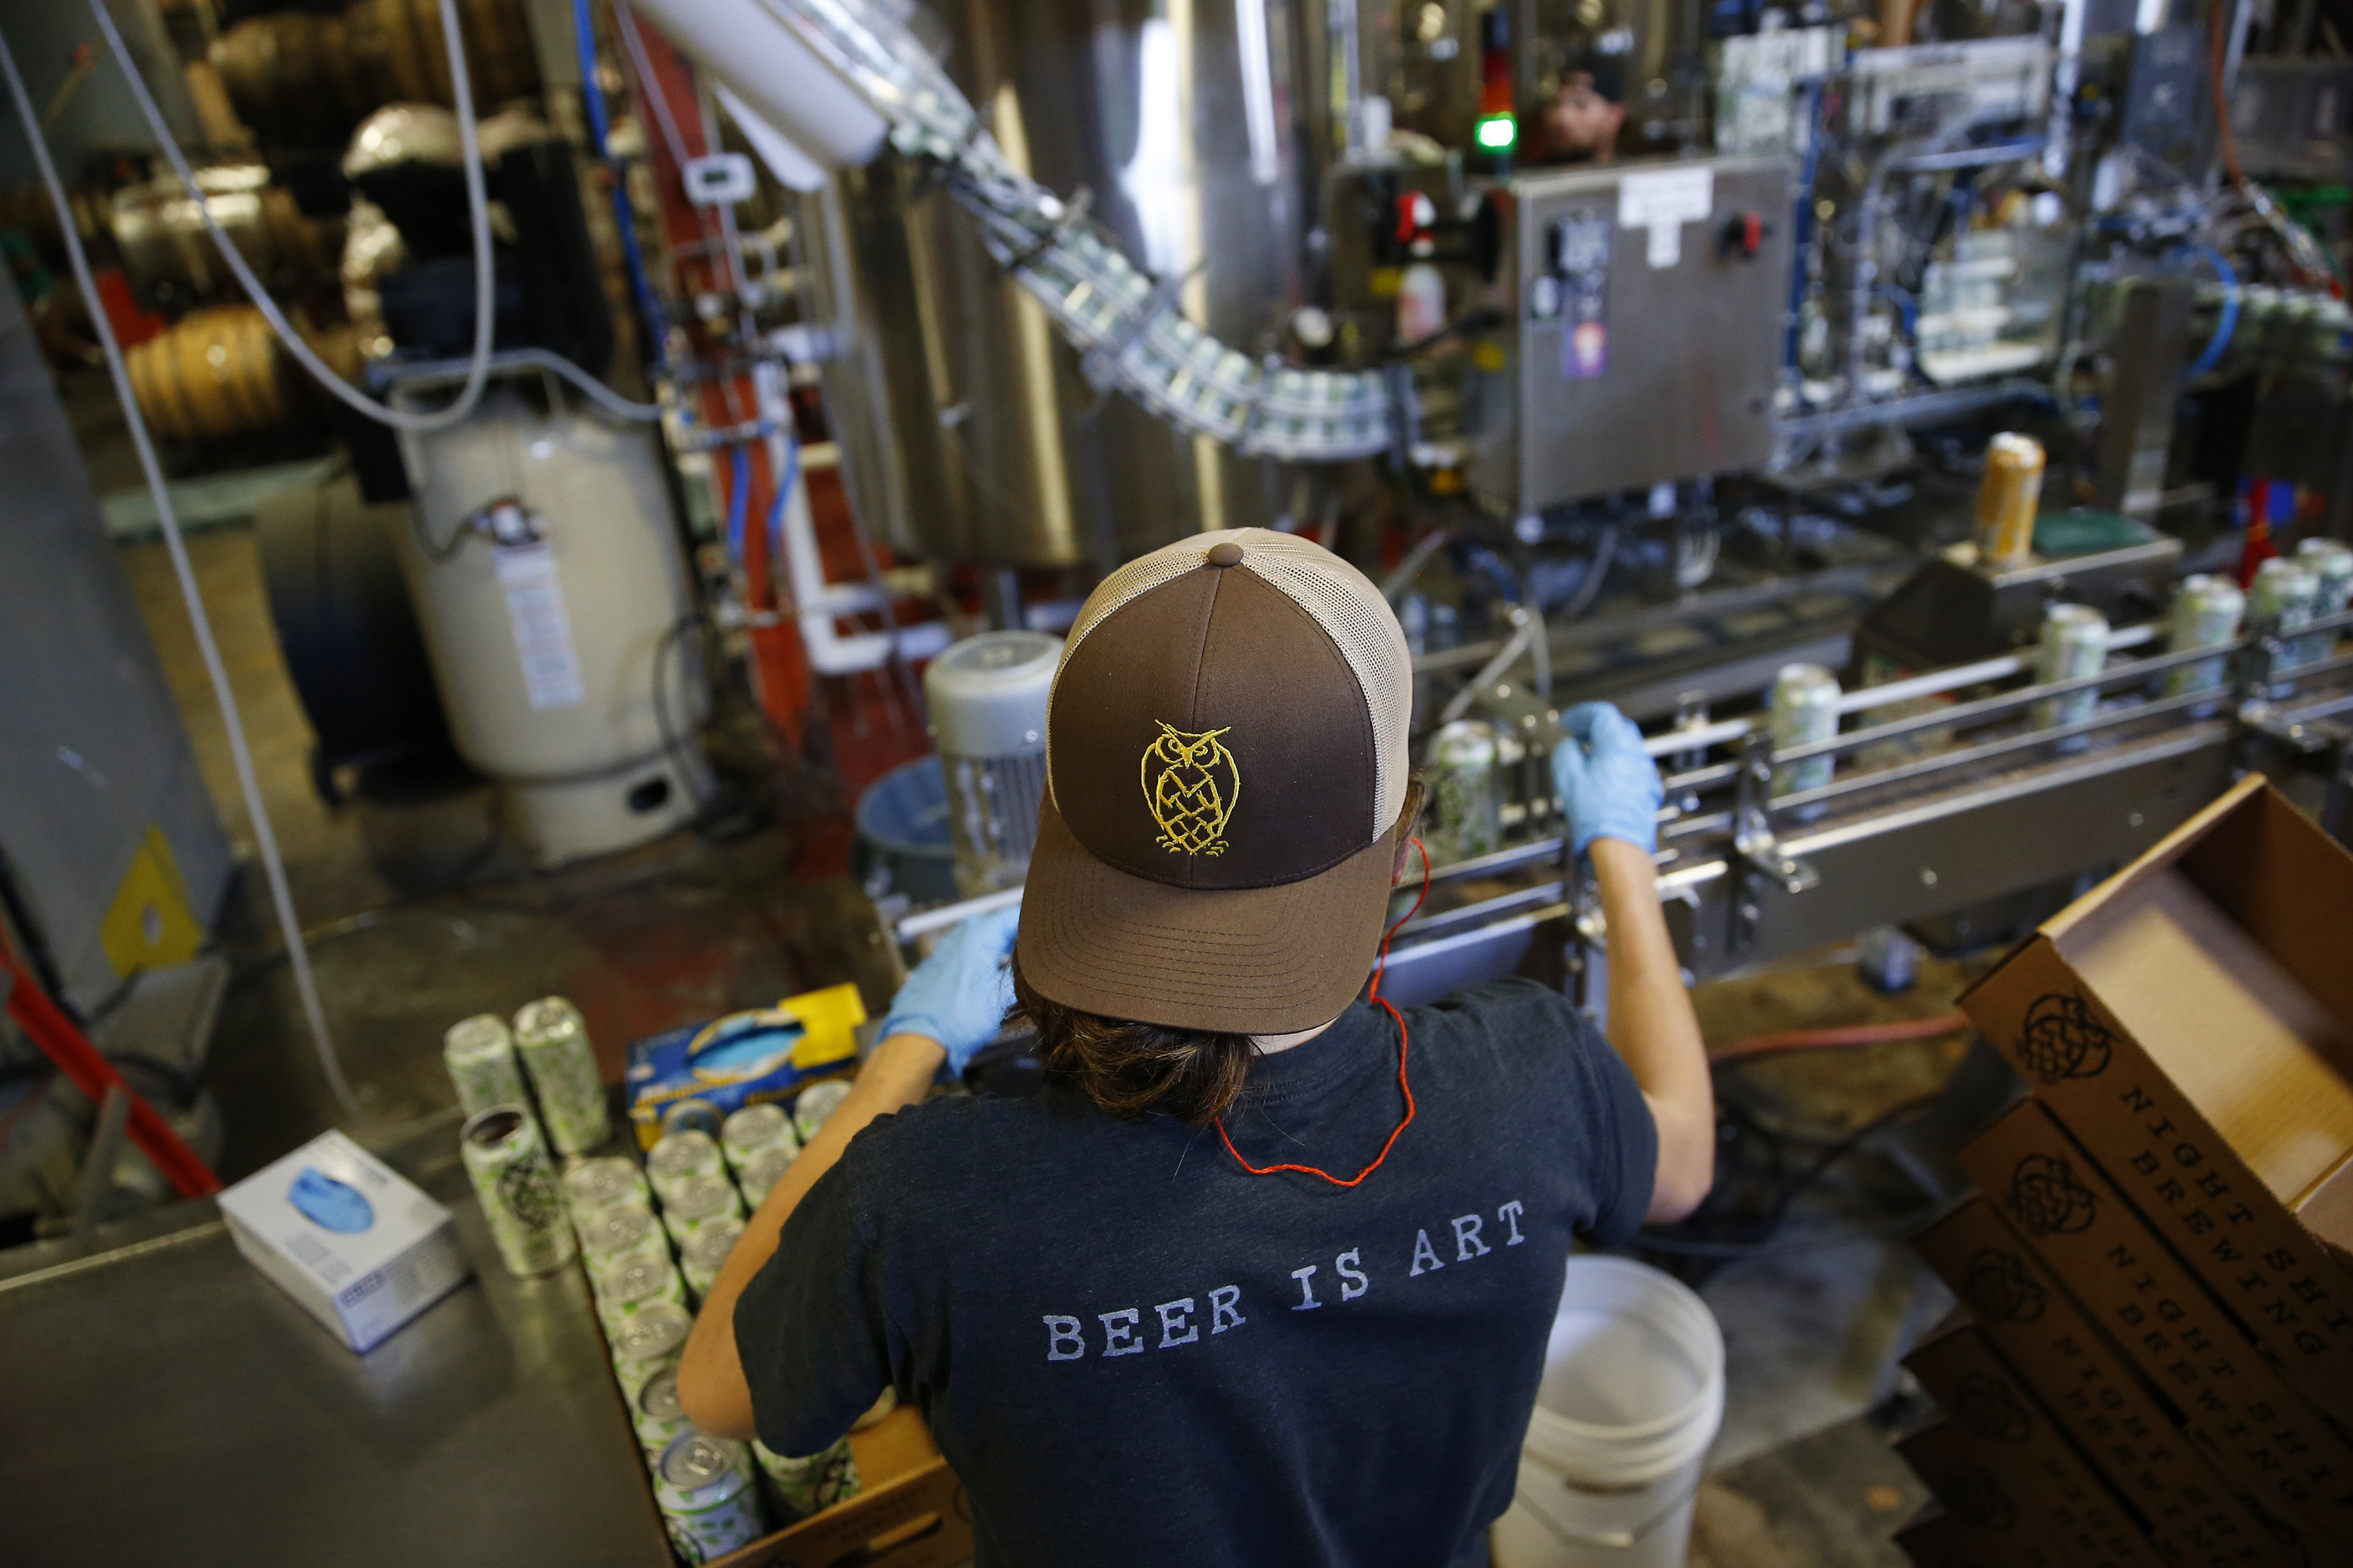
(960, 994)
(1609, 787)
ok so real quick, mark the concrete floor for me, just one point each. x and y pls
(685, 929)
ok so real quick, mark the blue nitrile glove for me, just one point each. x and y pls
(960, 994)
(1609, 787)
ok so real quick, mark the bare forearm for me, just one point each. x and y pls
(1653, 1027)
(710, 1382)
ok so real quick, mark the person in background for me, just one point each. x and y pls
(1265, 1274)
(1580, 125)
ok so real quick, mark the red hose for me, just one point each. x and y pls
(1843, 1036)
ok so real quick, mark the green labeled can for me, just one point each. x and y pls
(704, 1200)
(654, 1414)
(1802, 708)
(2286, 593)
(811, 1483)
(2331, 565)
(706, 1498)
(2206, 612)
(618, 1231)
(554, 1044)
(2074, 643)
(650, 1341)
(706, 1254)
(634, 1283)
(817, 1102)
(515, 1179)
(754, 1128)
(681, 1157)
(1466, 789)
(761, 1172)
(481, 1056)
(600, 1182)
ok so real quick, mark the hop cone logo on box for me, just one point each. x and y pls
(1998, 1287)
(2046, 1198)
(1986, 1405)
(1977, 1499)
(2060, 1039)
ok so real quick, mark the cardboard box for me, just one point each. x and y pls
(2159, 1316)
(2029, 1490)
(2169, 1491)
(2190, 1020)
(744, 1058)
(335, 1228)
(911, 1513)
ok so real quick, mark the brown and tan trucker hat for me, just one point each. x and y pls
(1226, 758)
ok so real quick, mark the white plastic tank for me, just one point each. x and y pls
(547, 576)
(988, 697)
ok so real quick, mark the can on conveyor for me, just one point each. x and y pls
(635, 1282)
(2009, 499)
(699, 1202)
(602, 1181)
(653, 1338)
(706, 1499)
(554, 1044)
(761, 1172)
(620, 1230)
(2331, 565)
(656, 1416)
(815, 1481)
(679, 1158)
(753, 1128)
(515, 1179)
(1464, 790)
(1803, 708)
(705, 1253)
(817, 1102)
(2074, 643)
(2283, 594)
(481, 1056)
(2206, 611)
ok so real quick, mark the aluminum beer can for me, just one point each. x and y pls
(753, 1128)
(706, 1498)
(650, 1341)
(634, 1283)
(705, 1253)
(693, 1114)
(515, 1179)
(679, 1158)
(2331, 565)
(2009, 499)
(2074, 643)
(697, 1203)
(817, 1102)
(554, 1044)
(815, 1481)
(618, 1231)
(2287, 593)
(602, 1181)
(654, 1414)
(481, 1056)
(1803, 708)
(761, 1172)
(2206, 611)
(1464, 788)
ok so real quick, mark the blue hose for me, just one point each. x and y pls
(1905, 304)
(784, 496)
(738, 500)
(2229, 321)
(600, 123)
(1803, 225)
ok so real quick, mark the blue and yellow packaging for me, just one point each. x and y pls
(744, 1058)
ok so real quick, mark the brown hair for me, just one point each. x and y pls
(1133, 1069)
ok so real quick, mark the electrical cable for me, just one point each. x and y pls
(478, 208)
(1844, 1036)
(217, 672)
(2224, 325)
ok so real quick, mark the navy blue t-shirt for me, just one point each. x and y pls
(1133, 1351)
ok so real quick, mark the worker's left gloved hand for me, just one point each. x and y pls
(960, 994)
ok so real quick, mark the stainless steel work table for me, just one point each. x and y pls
(162, 1403)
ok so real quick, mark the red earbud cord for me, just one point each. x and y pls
(1403, 1087)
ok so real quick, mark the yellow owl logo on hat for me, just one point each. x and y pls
(1191, 784)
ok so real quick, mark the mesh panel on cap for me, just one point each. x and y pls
(1359, 621)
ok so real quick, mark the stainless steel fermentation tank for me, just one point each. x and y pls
(969, 430)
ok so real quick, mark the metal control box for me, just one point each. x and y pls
(1653, 301)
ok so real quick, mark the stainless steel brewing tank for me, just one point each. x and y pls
(968, 430)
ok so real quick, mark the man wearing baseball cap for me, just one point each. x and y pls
(1265, 1274)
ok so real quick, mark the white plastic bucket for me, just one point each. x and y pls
(1633, 1394)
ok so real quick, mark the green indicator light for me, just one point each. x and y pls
(1497, 132)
